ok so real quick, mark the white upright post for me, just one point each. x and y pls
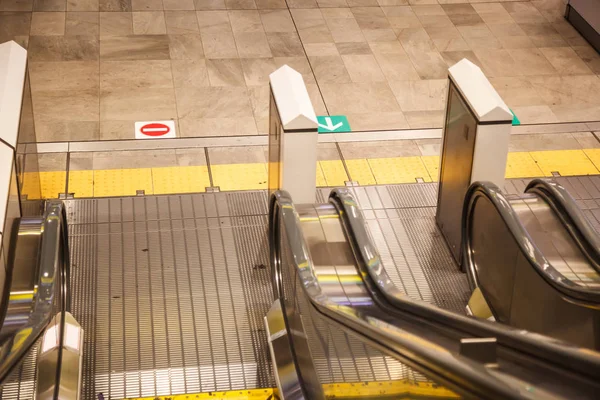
(292, 137)
(474, 144)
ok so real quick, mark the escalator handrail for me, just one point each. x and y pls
(565, 206)
(527, 246)
(459, 374)
(53, 242)
(538, 346)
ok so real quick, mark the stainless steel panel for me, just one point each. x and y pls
(455, 169)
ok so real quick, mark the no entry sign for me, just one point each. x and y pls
(155, 129)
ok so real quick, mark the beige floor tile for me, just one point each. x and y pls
(82, 23)
(370, 18)
(219, 45)
(117, 130)
(586, 140)
(589, 56)
(63, 48)
(138, 47)
(66, 105)
(426, 95)
(362, 3)
(252, 45)
(429, 64)
(424, 119)
(300, 64)
(363, 68)
(391, 3)
(115, 5)
(465, 19)
(429, 147)
(116, 24)
(534, 114)
(531, 62)
(245, 21)
(321, 49)
(210, 4)
(379, 35)
(190, 157)
(63, 75)
(569, 33)
(332, 3)
(447, 38)
(416, 40)
(565, 61)
(277, 21)
(49, 129)
(16, 5)
(344, 35)
(516, 42)
(459, 9)
(270, 4)
(146, 5)
(524, 12)
(316, 98)
(237, 155)
(48, 23)
(137, 104)
(181, 22)
(538, 29)
(52, 161)
(401, 17)
(516, 91)
(329, 69)
(257, 70)
(566, 90)
(435, 20)
(452, 57)
(387, 149)
(80, 161)
(213, 102)
(327, 151)
(506, 30)
(178, 5)
(185, 47)
(356, 48)
(397, 67)
(225, 72)
(13, 25)
(115, 75)
(240, 4)
(497, 63)
(49, 5)
(377, 121)
(548, 40)
(149, 23)
(285, 44)
(301, 4)
(190, 73)
(356, 98)
(543, 142)
(259, 98)
(576, 112)
(83, 5)
(200, 127)
(134, 159)
(308, 18)
(213, 21)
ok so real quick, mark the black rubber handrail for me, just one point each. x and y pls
(526, 244)
(53, 247)
(461, 375)
(537, 347)
(572, 217)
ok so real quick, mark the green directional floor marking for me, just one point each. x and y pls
(333, 123)
(515, 120)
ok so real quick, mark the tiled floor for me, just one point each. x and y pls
(98, 65)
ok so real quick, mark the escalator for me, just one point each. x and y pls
(540, 269)
(335, 289)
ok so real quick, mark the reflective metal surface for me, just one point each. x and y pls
(533, 351)
(50, 291)
(529, 268)
(328, 275)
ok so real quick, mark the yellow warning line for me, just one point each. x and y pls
(230, 177)
(386, 389)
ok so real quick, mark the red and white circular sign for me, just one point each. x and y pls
(155, 129)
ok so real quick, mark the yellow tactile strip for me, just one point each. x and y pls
(229, 177)
(384, 389)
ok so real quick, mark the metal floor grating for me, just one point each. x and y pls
(172, 290)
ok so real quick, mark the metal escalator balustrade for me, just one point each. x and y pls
(534, 259)
(318, 278)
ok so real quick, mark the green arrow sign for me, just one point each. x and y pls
(333, 123)
(515, 120)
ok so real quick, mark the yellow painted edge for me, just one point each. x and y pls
(235, 177)
(390, 389)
